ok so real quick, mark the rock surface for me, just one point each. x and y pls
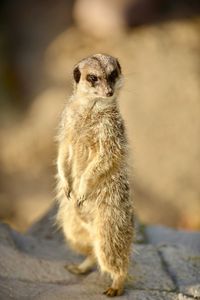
(32, 267)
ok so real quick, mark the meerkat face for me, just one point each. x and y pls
(98, 76)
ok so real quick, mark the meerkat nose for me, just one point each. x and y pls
(109, 94)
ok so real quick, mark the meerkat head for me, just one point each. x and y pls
(98, 76)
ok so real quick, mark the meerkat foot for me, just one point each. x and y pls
(74, 269)
(83, 268)
(117, 287)
(111, 292)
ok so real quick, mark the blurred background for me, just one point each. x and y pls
(158, 45)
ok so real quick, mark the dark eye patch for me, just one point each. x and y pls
(77, 74)
(113, 76)
(92, 78)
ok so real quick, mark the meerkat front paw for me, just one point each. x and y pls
(67, 193)
(111, 292)
(80, 200)
(67, 190)
(82, 192)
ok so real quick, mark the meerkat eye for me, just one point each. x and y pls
(113, 76)
(91, 78)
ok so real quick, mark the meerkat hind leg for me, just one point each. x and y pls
(117, 287)
(82, 268)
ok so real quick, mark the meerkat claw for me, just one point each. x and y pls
(81, 200)
(68, 195)
(110, 292)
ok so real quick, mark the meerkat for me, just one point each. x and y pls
(95, 209)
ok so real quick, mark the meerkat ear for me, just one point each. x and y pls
(118, 65)
(77, 74)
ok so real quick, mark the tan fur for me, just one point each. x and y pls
(95, 209)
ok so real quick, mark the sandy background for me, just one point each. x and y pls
(160, 102)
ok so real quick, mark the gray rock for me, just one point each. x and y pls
(147, 271)
(184, 267)
(162, 235)
(6, 235)
(21, 290)
(32, 267)
(17, 265)
(46, 227)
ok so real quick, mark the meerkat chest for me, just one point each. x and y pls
(82, 138)
(88, 133)
(84, 130)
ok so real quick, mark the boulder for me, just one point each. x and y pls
(32, 266)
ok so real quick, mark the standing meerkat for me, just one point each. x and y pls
(95, 209)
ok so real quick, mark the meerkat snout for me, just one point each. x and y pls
(109, 94)
(98, 76)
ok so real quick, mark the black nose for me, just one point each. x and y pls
(109, 94)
